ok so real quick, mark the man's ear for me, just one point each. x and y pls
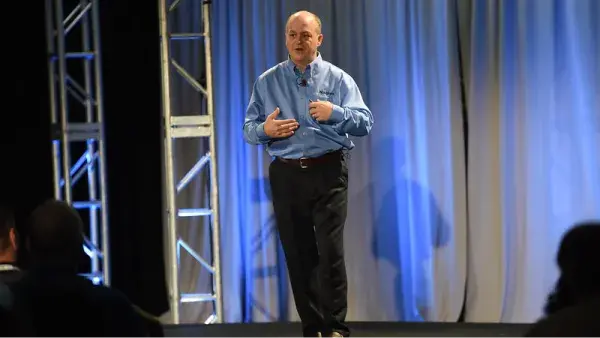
(319, 40)
(14, 241)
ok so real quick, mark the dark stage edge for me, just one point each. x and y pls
(359, 329)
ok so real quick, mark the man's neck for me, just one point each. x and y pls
(302, 66)
(7, 258)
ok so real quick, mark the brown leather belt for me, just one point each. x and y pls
(307, 162)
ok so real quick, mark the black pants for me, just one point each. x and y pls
(310, 208)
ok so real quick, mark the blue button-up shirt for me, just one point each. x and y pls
(284, 87)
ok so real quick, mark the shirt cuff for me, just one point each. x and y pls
(337, 114)
(260, 132)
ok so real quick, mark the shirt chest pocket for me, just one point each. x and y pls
(324, 95)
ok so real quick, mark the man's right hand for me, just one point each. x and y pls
(279, 128)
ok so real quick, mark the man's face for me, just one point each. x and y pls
(303, 38)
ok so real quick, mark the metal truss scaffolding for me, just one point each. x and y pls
(76, 109)
(177, 126)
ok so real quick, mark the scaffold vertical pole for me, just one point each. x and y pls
(169, 176)
(216, 236)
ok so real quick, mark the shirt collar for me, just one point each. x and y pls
(8, 267)
(311, 67)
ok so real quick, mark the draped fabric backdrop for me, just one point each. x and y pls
(534, 158)
(418, 247)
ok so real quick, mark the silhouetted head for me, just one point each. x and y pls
(55, 234)
(577, 259)
(578, 256)
(8, 236)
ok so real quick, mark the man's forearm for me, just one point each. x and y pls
(355, 122)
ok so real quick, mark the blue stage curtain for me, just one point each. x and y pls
(415, 242)
(534, 136)
(406, 232)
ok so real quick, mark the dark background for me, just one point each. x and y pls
(131, 55)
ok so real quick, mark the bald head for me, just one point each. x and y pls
(304, 17)
(303, 37)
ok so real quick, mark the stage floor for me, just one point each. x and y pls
(359, 329)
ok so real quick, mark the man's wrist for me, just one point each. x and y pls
(337, 114)
(260, 132)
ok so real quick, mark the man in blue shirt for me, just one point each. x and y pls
(303, 110)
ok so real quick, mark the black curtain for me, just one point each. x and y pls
(132, 106)
(25, 158)
(131, 62)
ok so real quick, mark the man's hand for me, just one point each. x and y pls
(320, 110)
(279, 128)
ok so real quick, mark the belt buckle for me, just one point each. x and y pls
(303, 164)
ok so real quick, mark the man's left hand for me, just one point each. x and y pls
(320, 110)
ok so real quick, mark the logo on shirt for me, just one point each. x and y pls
(326, 93)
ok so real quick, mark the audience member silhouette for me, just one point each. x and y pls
(9, 272)
(573, 308)
(53, 298)
(10, 324)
